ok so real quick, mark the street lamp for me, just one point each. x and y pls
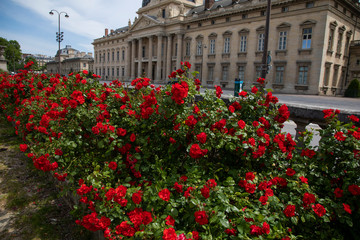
(59, 35)
(265, 62)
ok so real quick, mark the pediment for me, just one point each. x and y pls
(284, 25)
(145, 21)
(308, 22)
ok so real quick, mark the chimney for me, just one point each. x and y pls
(112, 31)
(106, 32)
(209, 4)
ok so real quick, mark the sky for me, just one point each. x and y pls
(29, 22)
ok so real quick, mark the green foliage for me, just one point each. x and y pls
(353, 89)
(12, 54)
(220, 171)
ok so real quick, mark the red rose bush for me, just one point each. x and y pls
(148, 162)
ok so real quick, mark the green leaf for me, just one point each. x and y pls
(225, 223)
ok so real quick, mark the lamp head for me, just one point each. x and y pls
(66, 15)
(51, 13)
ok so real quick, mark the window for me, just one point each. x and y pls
(108, 57)
(279, 74)
(243, 41)
(123, 72)
(244, 16)
(347, 43)
(118, 56)
(112, 72)
(258, 72)
(339, 43)
(241, 73)
(199, 24)
(176, 49)
(306, 38)
(187, 49)
(188, 26)
(199, 48)
(198, 69)
(163, 13)
(143, 51)
(108, 71)
(123, 55)
(303, 75)
(327, 74)
(227, 45)
(358, 62)
(309, 4)
(104, 72)
(104, 59)
(282, 40)
(212, 46)
(96, 58)
(261, 38)
(225, 73)
(212, 22)
(284, 9)
(84, 65)
(227, 19)
(262, 13)
(113, 56)
(117, 71)
(211, 73)
(331, 40)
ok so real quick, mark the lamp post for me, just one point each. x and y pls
(59, 35)
(266, 40)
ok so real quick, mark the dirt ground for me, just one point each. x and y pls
(30, 208)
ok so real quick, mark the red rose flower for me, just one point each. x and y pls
(354, 190)
(132, 137)
(125, 229)
(121, 132)
(255, 230)
(23, 147)
(205, 191)
(164, 194)
(197, 152)
(340, 136)
(308, 199)
(249, 176)
(113, 165)
(263, 199)
(201, 137)
(218, 91)
(178, 187)
(250, 188)
(169, 234)
(201, 217)
(265, 228)
(289, 211)
(338, 192)
(241, 124)
(136, 197)
(303, 179)
(347, 208)
(195, 235)
(170, 220)
(290, 172)
(319, 210)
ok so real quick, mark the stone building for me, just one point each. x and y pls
(309, 43)
(72, 60)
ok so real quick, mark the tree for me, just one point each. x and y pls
(35, 66)
(12, 53)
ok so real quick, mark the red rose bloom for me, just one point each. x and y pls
(23, 147)
(340, 136)
(249, 176)
(289, 211)
(241, 124)
(319, 210)
(179, 92)
(164, 194)
(169, 234)
(347, 208)
(170, 220)
(178, 187)
(205, 191)
(265, 228)
(113, 165)
(290, 172)
(121, 132)
(308, 199)
(125, 229)
(255, 230)
(218, 91)
(132, 137)
(303, 179)
(201, 217)
(195, 235)
(201, 137)
(338, 192)
(354, 190)
(136, 197)
(197, 152)
(250, 188)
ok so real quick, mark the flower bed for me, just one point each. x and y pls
(151, 163)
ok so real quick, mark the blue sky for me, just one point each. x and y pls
(29, 22)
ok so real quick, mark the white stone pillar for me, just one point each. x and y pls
(179, 50)
(149, 74)
(128, 62)
(133, 45)
(168, 56)
(159, 58)
(139, 74)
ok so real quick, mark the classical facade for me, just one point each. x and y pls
(3, 62)
(72, 60)
(309, 43)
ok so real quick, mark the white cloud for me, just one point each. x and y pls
(87, 18)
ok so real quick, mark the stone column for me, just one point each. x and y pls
(133, 45)
(179, 50)
(128, 62)
(149, 75)
(159, 57)
(140, 58)
(168, 56)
